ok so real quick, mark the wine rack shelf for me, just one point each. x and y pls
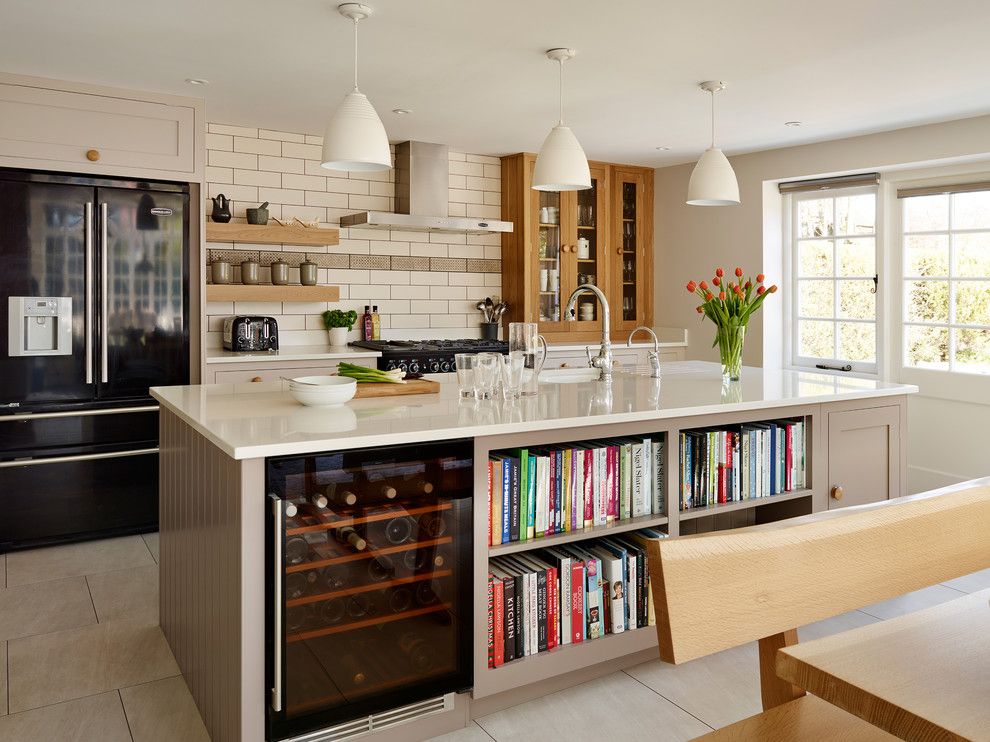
(621, 526)
(367, 588)
(366, 554)
(728, 507)
(326, 523)
(377, 620)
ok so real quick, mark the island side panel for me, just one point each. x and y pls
(212, 578)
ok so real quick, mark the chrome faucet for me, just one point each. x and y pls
(652, 356)
(604, 361)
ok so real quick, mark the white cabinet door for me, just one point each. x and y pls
(41, 127)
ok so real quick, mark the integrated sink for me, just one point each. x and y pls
(568, 375)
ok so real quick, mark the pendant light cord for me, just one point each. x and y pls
(356, 55)
(712, 92)
(560, 92)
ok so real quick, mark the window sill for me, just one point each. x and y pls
(830, 372)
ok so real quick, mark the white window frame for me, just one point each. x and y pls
(948, 383)
(790, 304)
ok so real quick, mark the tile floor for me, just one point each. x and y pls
(82, 660)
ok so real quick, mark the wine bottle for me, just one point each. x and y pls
(414, 559)
(399, 599)
(380, 567)
(433, 525)
(296, 549)
(298, 584)
(334, 578)
(341, 496)
(299, 617)
(347, 535)
(333, 611)
(426, 593)
(362, 605)
(386, 490)
(398, 530)
(416, 484)
(417, 651)
(318, 501)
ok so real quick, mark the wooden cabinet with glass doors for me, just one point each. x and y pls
(574, 238)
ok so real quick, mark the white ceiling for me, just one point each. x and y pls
(475, 77)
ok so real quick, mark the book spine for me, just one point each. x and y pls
(636, 480)
(491, 619)
(589, 488)
(552, 496)
(520, 617)
(531, 516)
(559, 484)
(659, 471)
(632, 594)
(509, 591)
(553, 609)
(566, 631)
(593, 607)
(490, 543)
(506, 500)
(615, 594)
(566, 490)
(540, 508)
(523, 494)
(499, 637)
(534, 613)
(577, 601)
(577, 488)
(541, 608)
(514, 495)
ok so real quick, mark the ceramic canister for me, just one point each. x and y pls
(221, 272)
(307, 273)
(280, 273)
(249, 272)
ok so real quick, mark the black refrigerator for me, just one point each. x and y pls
(95, 309)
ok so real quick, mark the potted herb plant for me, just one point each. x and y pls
(338, 324)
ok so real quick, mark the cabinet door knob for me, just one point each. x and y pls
(92, 155)
(837, 492)
(618, 251)
(256, 378)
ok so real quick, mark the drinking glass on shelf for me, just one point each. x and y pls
(465, 365)
(487, 374)
(525, 338)
(512, 373)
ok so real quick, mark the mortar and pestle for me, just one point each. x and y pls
(258, 215)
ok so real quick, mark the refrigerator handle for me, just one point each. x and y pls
(89, 293)
(104, 290)
(278, 525)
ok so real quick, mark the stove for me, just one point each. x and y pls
(427, 356)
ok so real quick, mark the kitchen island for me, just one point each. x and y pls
(229, 451)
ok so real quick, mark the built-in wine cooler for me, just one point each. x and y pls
(369, 591)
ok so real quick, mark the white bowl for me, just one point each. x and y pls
(323, 391)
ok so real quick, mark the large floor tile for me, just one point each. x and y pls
(719, 689)
(911, 602)
(835, 625)
(163, 711)
(80, 662)
(93, 719)
(126, 594)
(43, 607)
(151, 539)
(971, 583)
(471, 733)
(73, 560)
(613, 707)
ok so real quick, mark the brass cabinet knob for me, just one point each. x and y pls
(618, 251)
(837, 492)
(92, 155)
(256, 378)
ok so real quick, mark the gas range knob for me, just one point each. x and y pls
(435, 367)
(403, 366)
(445, 366)
(390, 366)
(414, 367)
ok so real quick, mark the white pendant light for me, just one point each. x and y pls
(561, 164)
(713, 182)
(355, 138)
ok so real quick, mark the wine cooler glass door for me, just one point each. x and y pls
(370, 595)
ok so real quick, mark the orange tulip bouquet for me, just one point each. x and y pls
(730, 304)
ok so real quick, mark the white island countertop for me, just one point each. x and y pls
(259, 419)
(291, 353)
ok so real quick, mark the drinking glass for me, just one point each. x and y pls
(464, 363)
(486, 374)
(525, 337)
(512, 373)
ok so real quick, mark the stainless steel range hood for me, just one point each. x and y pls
(421, 193)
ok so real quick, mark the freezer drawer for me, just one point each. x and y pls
(77, 497)
(35, 435)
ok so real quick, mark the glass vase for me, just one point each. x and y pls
(729, 339)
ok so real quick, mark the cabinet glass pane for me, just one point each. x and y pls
(548, 255)
(630, 245)
(587, 249)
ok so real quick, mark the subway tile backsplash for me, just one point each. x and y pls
(425, 285)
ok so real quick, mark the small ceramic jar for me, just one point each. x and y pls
(221, 271)
(249, 272)
(280, 273)
(307, 273)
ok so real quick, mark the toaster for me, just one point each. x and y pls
(244, 334)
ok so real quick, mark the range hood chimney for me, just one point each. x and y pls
(422, 181)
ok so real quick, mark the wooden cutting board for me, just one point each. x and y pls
(385, 389)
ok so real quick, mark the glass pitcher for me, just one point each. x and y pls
(525, 337)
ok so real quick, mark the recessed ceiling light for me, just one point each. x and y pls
(197, 81)
(792, 123)
(402, 111)
(662, 149)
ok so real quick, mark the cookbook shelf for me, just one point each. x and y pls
(620, 526)
(729, 507)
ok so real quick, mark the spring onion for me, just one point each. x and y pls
(365, 374)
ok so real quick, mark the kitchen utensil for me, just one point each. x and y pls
(481, 308)
(249, 272)
(280, 272)
(464, 364)
(221, 271)
(221, 209)
(489, 308)
(385, 389)
(307, 273)
(489, 330)
(258, 215)
(524, 337)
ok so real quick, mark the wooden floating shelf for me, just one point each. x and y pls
(728, 507)
(620, 526)
(271, 234)
(269, 292)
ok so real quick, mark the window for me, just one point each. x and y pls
(945, 242)
(833, 260)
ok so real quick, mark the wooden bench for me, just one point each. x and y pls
(719, 590)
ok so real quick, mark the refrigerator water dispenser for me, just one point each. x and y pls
(39, 325)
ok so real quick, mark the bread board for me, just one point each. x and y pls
(385, 389)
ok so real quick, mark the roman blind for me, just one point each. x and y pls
(937, 190)
(827, 184)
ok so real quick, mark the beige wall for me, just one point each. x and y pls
(691, 240)
(947, 440)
